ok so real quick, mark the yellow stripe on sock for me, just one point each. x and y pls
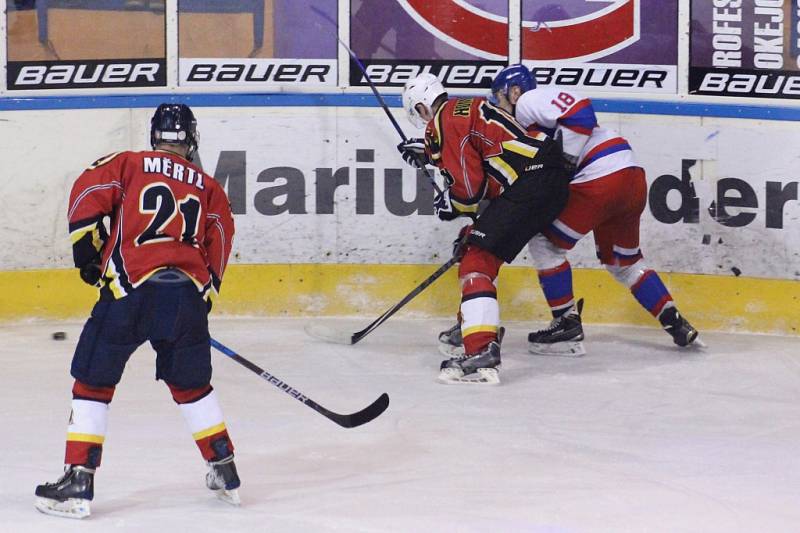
(85, 437)
(479, 329)
(210, 431)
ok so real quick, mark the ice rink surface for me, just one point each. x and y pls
(635, 436)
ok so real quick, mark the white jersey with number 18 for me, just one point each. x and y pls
(596, 151)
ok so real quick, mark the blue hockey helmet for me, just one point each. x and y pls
(174, 124)
(510, 76)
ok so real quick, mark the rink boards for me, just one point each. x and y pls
(712, 302)
(330, 221)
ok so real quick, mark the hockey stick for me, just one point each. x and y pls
(386, 110)
(326, 334)
(359, 418)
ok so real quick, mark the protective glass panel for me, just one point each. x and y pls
(619, 45)
(73, 44)
(257, 42)
(464, 42)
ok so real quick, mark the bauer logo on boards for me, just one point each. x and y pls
(395, 73)
(85, 74)
(479, 74)
(255, 71)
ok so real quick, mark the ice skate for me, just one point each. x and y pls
(563, 337)
(223, 479)
(451, 342)
(68, 497)
(682, 333)
(479, 369)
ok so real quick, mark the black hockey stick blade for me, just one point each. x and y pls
(358, 335)
(360, 418)
(369, 413)
(327, 334)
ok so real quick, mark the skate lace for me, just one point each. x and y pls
(68, 470)
(554, 325)
(60, 480)
(223, 461)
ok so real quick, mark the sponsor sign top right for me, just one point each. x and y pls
(745, 48)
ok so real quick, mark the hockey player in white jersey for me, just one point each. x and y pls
(607, 197)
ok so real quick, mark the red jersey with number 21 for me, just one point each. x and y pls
(164, 211)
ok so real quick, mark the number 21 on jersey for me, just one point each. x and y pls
(158, 201)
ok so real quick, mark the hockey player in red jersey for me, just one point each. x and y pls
(484, 155)
(171, 231)
(607, 197)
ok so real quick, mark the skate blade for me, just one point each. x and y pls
(699, 343)
(562, 349)
(229, 496)
(327, 334)
(450, 351)
(483, 376)
(696, 344)
(71, 508)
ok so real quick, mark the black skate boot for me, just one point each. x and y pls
(451, 342)
(222, 477)
(480, 368)
(70, 495)
(563, 337)
(682, 333)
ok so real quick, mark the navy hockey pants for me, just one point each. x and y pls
(171, 316)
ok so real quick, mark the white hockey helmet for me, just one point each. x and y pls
(424, 89)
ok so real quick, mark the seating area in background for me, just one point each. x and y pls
(254, 7)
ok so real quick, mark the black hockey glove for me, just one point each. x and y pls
(412, 151)
(447, 177)
(564, 160)
(443, 207)
(91, 273)
(460, 243)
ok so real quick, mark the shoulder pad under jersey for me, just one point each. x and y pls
(103, 160)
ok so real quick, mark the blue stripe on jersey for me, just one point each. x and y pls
(602, 153)
(583, 118)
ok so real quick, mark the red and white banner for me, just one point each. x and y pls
(485, 34)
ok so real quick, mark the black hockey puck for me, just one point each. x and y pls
(59, 336)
